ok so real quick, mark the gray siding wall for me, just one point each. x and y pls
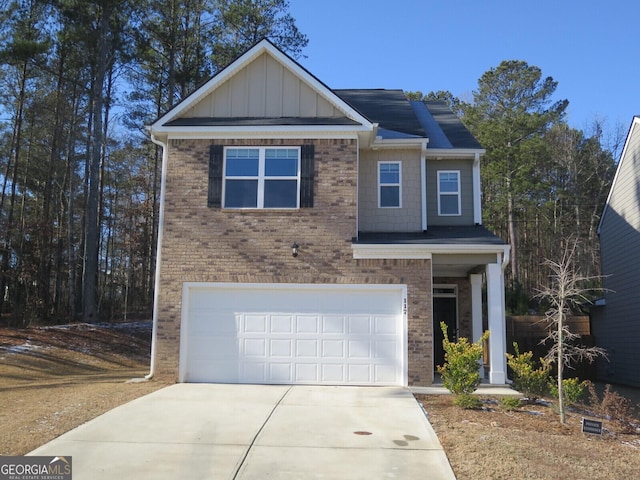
(408, 218)
(616, 327)
(466, 187)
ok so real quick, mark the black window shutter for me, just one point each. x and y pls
(306, 176)
(215, 176)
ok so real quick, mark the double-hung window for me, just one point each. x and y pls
(389, 185)
(261, 177)
(449, 192)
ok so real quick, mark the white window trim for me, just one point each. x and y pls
(457, 194)
(399, 184)
(261, 177)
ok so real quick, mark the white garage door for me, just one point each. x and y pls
(293, 334)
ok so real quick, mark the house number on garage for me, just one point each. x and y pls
(404, 306)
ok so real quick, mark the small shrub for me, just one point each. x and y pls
(467, 401)
(573, 390)
(510, 403)
(461, 369)
(612, 406)
(527, 379)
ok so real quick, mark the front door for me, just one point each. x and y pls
(444, 310)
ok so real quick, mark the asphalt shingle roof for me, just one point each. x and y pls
(398, 117)
(435, 235)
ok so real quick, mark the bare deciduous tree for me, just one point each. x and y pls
(567, 290)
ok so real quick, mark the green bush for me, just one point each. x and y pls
(510, 403)
(572, 388)
(467, 401)
(461, 369)
(527, 379)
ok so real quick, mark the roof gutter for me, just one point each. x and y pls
(156, 288)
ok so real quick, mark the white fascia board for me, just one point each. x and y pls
(454, 152)
(423, 251)
(391, 143)
(241, 62)
(283, 131)
(386, 251)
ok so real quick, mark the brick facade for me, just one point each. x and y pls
(202, 244)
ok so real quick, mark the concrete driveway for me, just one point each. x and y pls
(213, 431)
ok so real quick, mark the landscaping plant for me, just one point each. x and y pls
(572, 388)
(461, 370)
(529, 379)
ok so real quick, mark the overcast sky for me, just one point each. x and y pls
(591, 48)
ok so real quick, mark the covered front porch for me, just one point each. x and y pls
(467, 276)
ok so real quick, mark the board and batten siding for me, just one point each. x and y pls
(616, 326)
(374, 219)
(265, 88)
(466, 190)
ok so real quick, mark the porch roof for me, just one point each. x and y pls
(435, 235)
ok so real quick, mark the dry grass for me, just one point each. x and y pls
(529, 443)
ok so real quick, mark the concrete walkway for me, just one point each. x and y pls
(212, 431)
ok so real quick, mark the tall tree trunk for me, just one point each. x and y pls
(513, 238)
(89, 300)
(12, 166)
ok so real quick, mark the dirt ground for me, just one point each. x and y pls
(55, 378)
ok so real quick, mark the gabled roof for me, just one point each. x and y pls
(378, 115)
(173, 119)
(634, 129)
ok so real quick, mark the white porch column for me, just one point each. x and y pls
(476, 310)
(497, 326)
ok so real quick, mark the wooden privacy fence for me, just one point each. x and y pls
(529, 330)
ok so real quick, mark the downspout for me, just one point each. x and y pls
(423, 184)
(156, 288)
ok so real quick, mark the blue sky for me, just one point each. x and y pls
(591, 48)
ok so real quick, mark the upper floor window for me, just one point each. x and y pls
(449, 192)
(261, 177)
(389, 185)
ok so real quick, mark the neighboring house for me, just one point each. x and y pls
(317, 236)
(615, 324)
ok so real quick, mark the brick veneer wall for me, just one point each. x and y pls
(202, 244)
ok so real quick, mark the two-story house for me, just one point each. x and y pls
(318, 236)
(615, 321)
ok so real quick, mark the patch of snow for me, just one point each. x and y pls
(25, 347)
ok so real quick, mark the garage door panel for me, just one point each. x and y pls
(359, 374)
(333, 324)
(307, 324)
(359, 324)
(281, 324)
(254, 347)
(306, 372)
(359, 349)
(307, 348)
(299, 334)
(281, 348)
(333, 348)
(385, 325)
(281, 372)
(334, 373)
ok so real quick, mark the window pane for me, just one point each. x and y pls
(449, 205)
(389, 196)
(242, 162)
(280, 193)
(449, 182)
(281, 162)
(389, 173)
(241, 194)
